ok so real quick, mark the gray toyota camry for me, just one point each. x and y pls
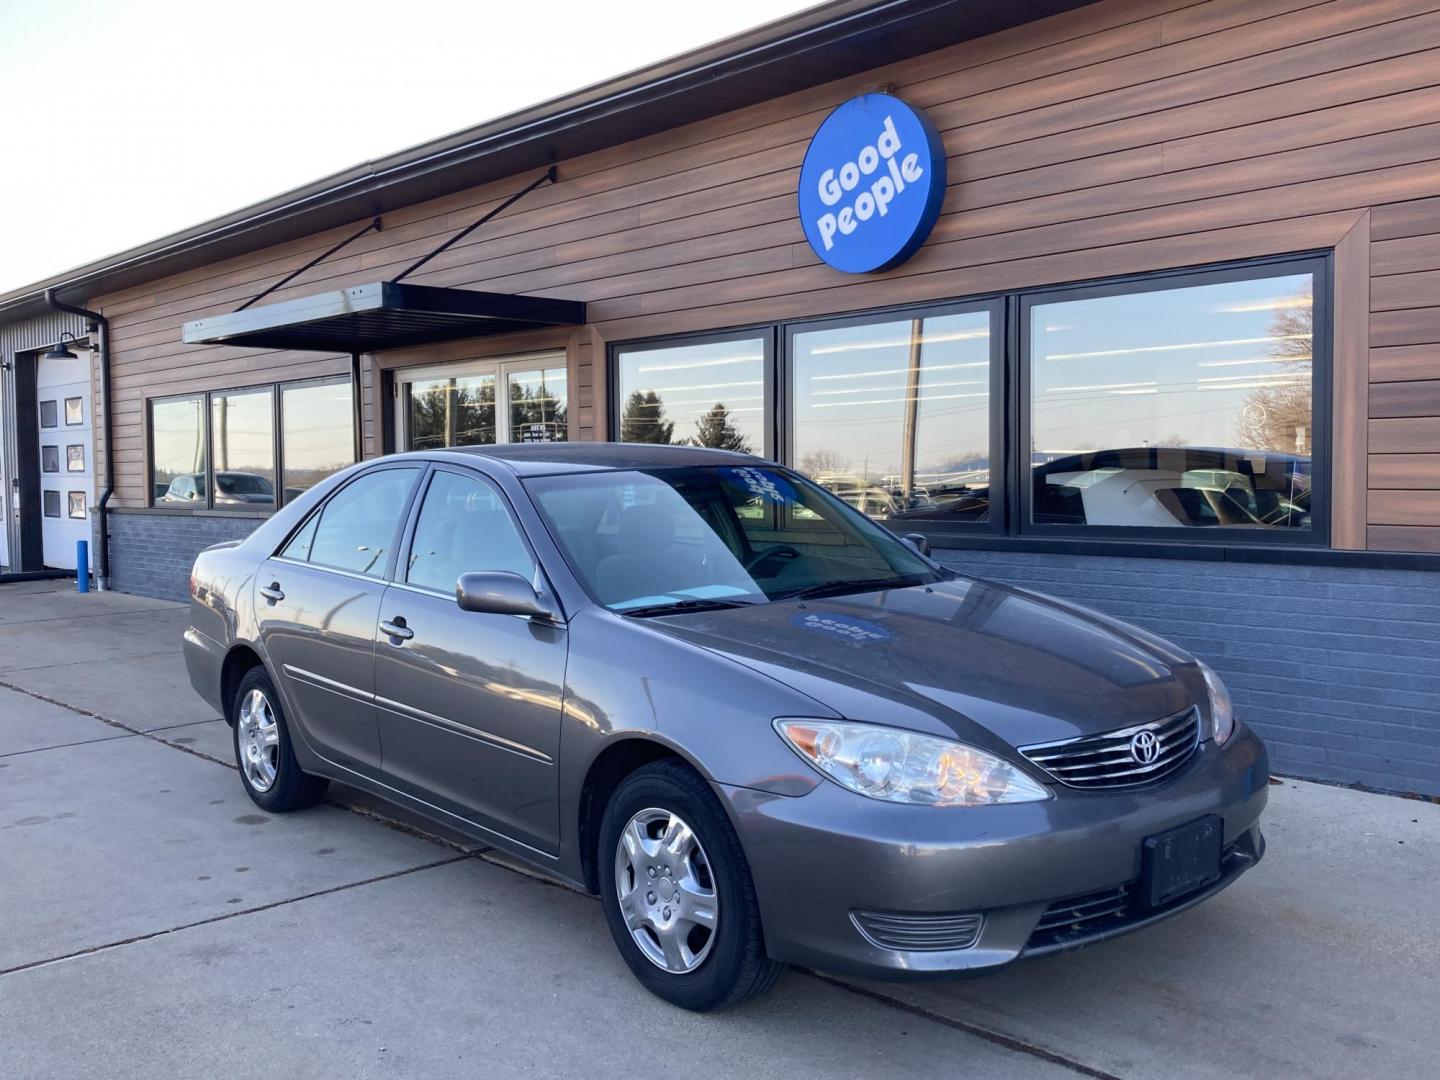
(762, 728)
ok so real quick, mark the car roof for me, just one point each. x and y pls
(540, 459)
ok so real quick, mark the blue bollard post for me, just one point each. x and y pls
(82, 565)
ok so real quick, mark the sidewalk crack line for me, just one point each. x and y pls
(91, 950)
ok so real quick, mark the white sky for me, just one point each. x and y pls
(124, 120)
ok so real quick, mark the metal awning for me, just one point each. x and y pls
(385, 315)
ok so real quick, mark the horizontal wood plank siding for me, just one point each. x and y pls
(1122, 137)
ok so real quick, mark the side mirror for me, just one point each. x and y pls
(918, 542)
(500, 594)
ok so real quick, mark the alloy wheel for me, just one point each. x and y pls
(666, 890)
(257, 736)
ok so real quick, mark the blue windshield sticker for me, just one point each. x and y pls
(764, 484)
(845, 627)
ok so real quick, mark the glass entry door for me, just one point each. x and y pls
(454, 411)
(523, 399)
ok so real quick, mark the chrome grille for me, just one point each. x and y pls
(1107, 761)
(913, 932)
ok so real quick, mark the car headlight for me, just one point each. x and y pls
(907, 767)
(1222, 713)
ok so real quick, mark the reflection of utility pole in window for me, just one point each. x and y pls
(912, 407)
(199, 463)
(222, 437)
(450, 410)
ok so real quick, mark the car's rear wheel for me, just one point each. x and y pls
(677, 891)
(272, 777)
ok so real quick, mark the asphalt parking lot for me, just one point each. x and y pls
(157, 924)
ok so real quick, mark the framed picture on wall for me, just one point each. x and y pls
(77, 504)
(74, 411)
(51, 500)
(75, 459)
(49, 459)
(49, 414)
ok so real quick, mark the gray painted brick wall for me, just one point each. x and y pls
(1338, 668)
(151, 554)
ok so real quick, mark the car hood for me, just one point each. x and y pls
(981, 661)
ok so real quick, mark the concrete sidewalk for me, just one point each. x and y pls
(159, 925)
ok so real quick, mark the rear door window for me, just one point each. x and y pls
(357, 527)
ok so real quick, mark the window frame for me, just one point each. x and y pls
(300, 384)
(203, 397)
(403, 379)
(772, 391)
(1010, 414)
(277, 440)
(999, 494)
(1018, 474)
(277, 500)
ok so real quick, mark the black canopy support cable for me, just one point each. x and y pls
(375, 224)
(548, 178)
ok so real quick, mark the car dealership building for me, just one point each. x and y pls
(1136, 302)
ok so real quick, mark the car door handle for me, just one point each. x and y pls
(396, 628)
(272, 592)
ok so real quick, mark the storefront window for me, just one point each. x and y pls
(177, 451)
(451, 412)
(316, 438)
(242, 439)
(694, 394)
(893, 416)
(1188, 407)
(539, 405)
(319, 433)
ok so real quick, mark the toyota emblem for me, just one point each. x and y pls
(1144, 747)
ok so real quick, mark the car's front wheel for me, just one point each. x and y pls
(272, 777)
(677, 891)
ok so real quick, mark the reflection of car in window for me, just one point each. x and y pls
(1169, 486)
(231, 489)
(185, 488)
(956, 496)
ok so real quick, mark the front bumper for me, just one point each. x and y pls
(817, 858)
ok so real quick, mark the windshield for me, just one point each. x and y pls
(717, 535)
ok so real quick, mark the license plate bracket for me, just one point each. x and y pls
(1181, 860)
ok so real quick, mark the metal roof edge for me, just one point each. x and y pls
(301, 210)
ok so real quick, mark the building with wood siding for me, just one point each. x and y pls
(1171, 347)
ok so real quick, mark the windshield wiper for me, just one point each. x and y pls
(836, 588)
(678, 606)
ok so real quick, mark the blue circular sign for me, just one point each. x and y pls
(872, 184)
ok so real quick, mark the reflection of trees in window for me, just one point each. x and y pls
(715, 430)
(457, 413)
(815, 463)
(643, 419)
(1278, 414)
(538, 403)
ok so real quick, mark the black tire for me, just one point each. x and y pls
(736, 967)
(291, 788)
